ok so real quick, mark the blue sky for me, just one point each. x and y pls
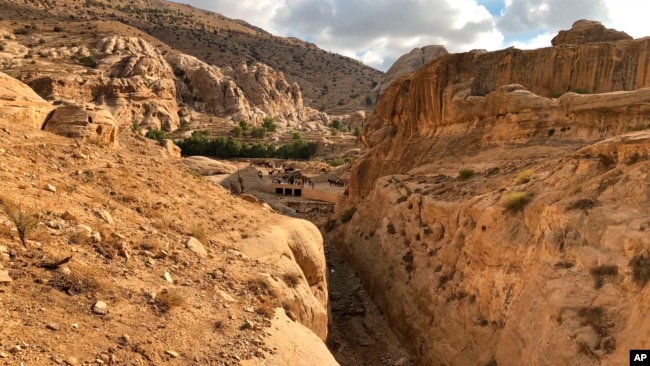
(377, 32)
(495, 7)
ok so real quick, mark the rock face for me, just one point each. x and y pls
(459, 91)
(20, 104)
(465, 280)
(88, 122)
(296, 246)
(523, 260)
(410, 62)
(140, 86)
(243, 93)
(588, 31)
(296, 346)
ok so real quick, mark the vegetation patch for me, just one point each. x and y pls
(582, 204)
(596, 318)
(600, 273)
(79, 281)
(515, 201)
(227, 148)
(347, 215)
(168, 299)
(525, 176)
(24, 218)
(606, 160)
(157, 135)
(464, 174)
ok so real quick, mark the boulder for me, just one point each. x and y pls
(207, 166)
(19, 104)
(86, 122)
(170, 148)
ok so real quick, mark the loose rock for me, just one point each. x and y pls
(100, 308)
(195, 246)
(4, 277)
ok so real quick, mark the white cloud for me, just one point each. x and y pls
(540, 41)
(377, 32)
(630, 16)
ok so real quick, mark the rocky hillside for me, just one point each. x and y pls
(329, 82)
(501, 215)
(129, 258)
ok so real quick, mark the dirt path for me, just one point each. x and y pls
(359, 334)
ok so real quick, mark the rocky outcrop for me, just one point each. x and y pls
(243, 93)
(296, 247)
(128, 76)
(410, 62)
(588, 31)
(91, 123)
(355, 119)
(140, 87)
(20, 104)
(466, 276)
(499, 222)
(207, 166)
(462, 94)
(295, 345)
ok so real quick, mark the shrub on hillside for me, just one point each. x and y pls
(157, 135)
(347, 215)
(515, 201)
(269, 124)
(88, 61)
(464, 174)
(258, 132)
(24, 218)
(525, 176)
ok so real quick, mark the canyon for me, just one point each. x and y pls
(497, 223)
(496, 209)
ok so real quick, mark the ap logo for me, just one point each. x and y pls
(639, 357)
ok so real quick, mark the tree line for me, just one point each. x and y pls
(227, 147)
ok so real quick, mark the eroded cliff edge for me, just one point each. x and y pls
(498, 224)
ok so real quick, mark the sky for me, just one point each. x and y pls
(377, 32)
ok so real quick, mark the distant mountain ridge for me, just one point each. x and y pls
(330, 82)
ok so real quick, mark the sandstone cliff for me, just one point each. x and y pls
(466, 278)
(468, 92)
(501, 213)
(408, 63)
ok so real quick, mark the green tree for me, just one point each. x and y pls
(244, 125)
(237, 131)
(157, 135)
(336, 124)
(296, 136)
(357, 131)
(269, 124)
(258, 132)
